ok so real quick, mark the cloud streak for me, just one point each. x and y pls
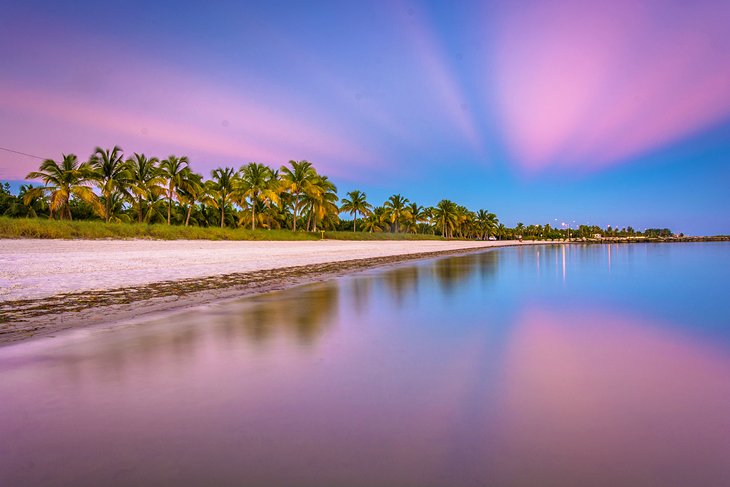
(588, 85)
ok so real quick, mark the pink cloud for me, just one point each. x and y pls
(152, 108)
(589, 85)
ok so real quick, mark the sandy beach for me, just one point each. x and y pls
(50, 285)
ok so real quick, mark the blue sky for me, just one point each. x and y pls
(571, 110)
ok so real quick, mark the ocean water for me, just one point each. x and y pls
(571, 365)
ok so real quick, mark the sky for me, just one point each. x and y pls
(603, 113)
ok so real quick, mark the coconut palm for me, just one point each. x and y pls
(17, 207)
(501, 231)
(520, 228)
(372, 223)
(145, 177)
(297, 180)
(418, 215)
(115, 209)
(224, 183)
(322, 201)
(175, 170)
(110, 175)
(355, 203)
(192, 191)
(257, 184)
(275, 216)
(463, 221)
(396, 210)
(62, 180)
(155, 208)
(486, 223)
(444, 214)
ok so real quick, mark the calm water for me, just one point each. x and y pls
(544, 366)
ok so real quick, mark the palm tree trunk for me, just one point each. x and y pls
(253, 213)
(169, 206)
(139, 208)
(223, 212)
(187, 218)
(354, 226)
(296, 207)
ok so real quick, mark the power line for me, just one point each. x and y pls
(22, 153)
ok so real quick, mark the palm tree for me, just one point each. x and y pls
(115, 209)
(354, 204)
(492, 224)
(520, 228)
(193, 190)
(155, 208)
(17, 207)
(486, 223)
(464, 220)
(418, 215)
(373, 223)
(110, 173)
(501, 231)
(144, 178)
(257, 183)
(297, 180)
(175, 170)
(224, 182)
(322, 198)
(276, 214)
(62, 180)
(396, 210)
(445, 215)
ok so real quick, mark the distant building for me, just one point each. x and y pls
(597, 235)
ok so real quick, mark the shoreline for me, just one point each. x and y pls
(44, 316)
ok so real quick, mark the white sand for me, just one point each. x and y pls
(40, 268)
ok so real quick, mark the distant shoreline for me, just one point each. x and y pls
(604, 240)
(110, 292)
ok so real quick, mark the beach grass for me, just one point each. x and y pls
(64, 229)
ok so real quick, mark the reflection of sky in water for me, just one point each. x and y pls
(526, 366)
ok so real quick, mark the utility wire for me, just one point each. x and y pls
(22, 153)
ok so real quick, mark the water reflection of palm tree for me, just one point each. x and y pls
(401, 281)
(487, 264)
(359, 291)
(454, 271)
(305, 313)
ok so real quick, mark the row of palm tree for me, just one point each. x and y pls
(399, 214)
(295, 196)
(137, 185)
(146, 189)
